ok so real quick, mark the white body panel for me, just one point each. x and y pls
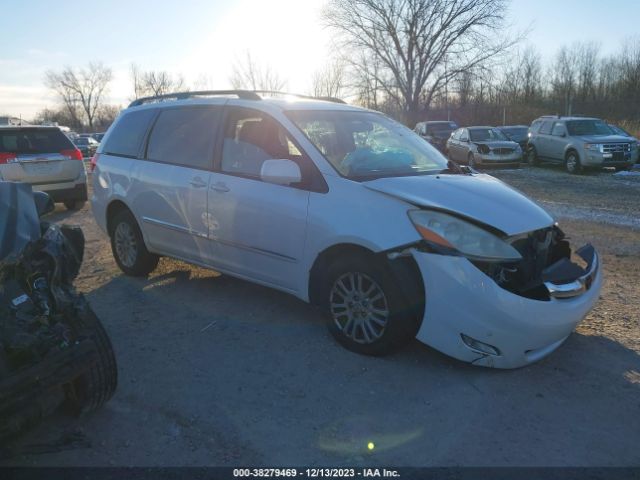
(258, 229)
(462, 299)
(272, 235)
(170, 202)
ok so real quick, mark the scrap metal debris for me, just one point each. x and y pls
(53, 348)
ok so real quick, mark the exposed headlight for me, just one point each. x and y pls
(594, 147)
(457, 236)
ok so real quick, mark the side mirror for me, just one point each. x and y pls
(464, 139)
(280, 172)
(43, 202)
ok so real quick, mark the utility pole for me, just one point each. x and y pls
(446, 90)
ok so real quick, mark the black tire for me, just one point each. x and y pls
(403, 319)
(92, 389)
(141, 262)
(572, 162)
(74, 204)
(532, 156)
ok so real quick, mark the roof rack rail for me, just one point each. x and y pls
(308, 97)
(244, 94)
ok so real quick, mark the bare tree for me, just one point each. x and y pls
(204, 81)
(414, 39)
(250, 75)
(60, 116)
(563, 73)
(530, 67)
(329, 81)
(106, 115)
(587, 56)
(153, 83)
(365, 81)
(81, 90)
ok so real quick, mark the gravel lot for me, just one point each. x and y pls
(217, 371)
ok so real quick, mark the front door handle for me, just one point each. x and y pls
(220, 187)
(197, 182)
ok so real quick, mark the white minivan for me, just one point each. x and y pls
(346, 209)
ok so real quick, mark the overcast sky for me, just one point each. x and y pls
(201, 38)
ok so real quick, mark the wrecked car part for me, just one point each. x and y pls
(564, 279)
(19, 222)
(546, 270)
(53, 348)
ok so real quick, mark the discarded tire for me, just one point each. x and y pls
(95, 387)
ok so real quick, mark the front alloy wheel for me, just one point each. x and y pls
(359, 307)
(532, 156)
(368, 309)
(573, 163)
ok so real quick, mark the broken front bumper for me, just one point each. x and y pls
(460, 300)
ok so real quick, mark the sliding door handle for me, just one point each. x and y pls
(197, 182)
(220, 187)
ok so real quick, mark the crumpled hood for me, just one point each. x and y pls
(480, 197)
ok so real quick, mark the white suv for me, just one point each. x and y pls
(346, 209)
(45, 158)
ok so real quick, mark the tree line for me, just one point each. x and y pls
(414, 60)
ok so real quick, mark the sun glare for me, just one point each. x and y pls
(285, 35)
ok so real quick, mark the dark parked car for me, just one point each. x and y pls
(86, 145)
(516, 133)
(436, 133)
(97, 136)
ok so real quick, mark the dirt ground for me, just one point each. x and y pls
(217, 371)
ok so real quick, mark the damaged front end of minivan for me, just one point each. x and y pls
(507, 313)
(546, 269)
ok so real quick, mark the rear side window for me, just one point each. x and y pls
(128, 133)
(545, 128)
(27, 141)
(185, 136)
(558, 129)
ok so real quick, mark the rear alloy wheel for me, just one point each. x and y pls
(127, 245)
(365, 309)
(572, 163)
